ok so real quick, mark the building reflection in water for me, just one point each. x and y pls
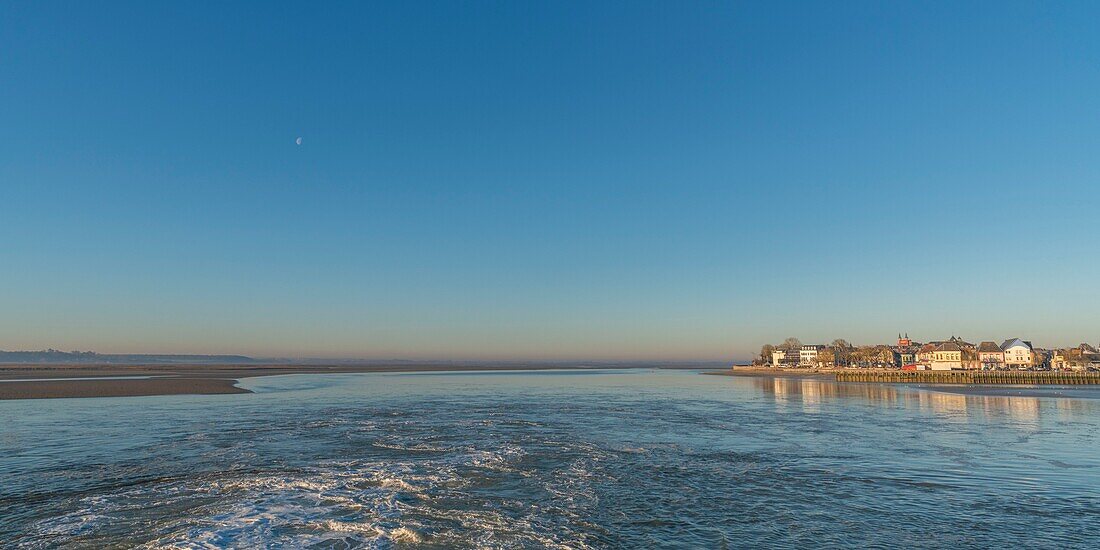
(783, 389)
(1023, 410)
(1073, 409)
(950, 406)
(811, 395)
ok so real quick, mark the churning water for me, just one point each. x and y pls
(559, 459)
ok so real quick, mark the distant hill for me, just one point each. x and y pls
(65, 357)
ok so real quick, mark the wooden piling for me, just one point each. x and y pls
(969, 377)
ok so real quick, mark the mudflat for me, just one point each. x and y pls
(52, 389)
(769, 371)
(62, 381)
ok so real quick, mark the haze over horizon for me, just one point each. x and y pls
(516, 181)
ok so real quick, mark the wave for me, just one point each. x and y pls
(371, 504)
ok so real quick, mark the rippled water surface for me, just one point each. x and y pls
(565, 459)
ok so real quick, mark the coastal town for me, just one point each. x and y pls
(952, 354)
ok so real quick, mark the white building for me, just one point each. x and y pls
(947, 356)
(1018, 353)
(779, 357)
(808, 355)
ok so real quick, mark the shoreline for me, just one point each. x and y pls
(768, 371)
(62, 388)
(984, 388)
(59, 381)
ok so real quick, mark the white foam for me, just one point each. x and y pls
(371, 503)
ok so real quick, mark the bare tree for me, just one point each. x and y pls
(841, 343)
(766, 353)
(1038, 358)
(792, 343)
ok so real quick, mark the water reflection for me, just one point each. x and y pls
(1024, 407)
(634, 459)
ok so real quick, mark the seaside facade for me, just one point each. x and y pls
(1018, 353)
(785, 357)
(947, 356)
(807, 355)
(1081, 358)
(940, 355)
(990, 356)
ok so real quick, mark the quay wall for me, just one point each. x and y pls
(971, 377)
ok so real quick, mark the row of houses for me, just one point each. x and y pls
(958, 354)
(951, 354)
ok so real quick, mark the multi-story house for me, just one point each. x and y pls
(924, 354)
(807, 356)
(906, 350)
(953, 353)
(779, 357)
(990, 356)
(947, 356)
(1018, 353)
(906, 356)
(1083, 357)
(784, 357)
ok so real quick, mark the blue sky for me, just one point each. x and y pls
(547, 181)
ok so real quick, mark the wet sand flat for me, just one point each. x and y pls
(764, 371)
(62, 381)
(52, 389)
(1074, 392)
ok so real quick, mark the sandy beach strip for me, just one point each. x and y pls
(766, 371)
(59, 381)
(108, 387)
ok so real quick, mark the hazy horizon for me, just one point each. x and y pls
(400, 359)
(511, 181)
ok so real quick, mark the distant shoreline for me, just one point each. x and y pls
(40, 381)
(770, 371)
(972, 378)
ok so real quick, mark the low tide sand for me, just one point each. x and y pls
(60, 381)
(51, 389)
(767, 371)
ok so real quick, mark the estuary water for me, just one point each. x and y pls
(640, 458)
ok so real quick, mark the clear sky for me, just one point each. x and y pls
(546, 180)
